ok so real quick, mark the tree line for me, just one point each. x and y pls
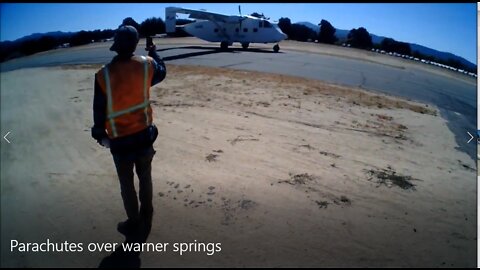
(149, 27)
(358, 38)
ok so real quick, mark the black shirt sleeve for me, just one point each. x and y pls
(160, 69)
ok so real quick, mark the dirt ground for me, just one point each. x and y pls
(282, 171)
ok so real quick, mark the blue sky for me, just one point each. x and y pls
(445, 27)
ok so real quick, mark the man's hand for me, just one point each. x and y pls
(151, 50)
(150, 46)
(105, 142)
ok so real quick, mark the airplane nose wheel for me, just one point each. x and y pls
(276, 48)
(224, 45)
(245, 45)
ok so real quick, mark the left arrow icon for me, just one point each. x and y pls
(5, 137)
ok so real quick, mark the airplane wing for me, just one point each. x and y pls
(205, 15)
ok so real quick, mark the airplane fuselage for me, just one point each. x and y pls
(226, 29)
(249, 31)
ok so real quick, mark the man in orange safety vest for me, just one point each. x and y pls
(123, 121)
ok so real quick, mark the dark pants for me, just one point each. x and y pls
(143, 166)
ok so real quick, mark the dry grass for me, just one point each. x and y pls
(354, 96)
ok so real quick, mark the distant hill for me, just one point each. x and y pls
(441, 55)
(310, 25)
(56, 34)
(37, 42)
(342, 36)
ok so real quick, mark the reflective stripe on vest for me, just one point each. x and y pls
(146, 102)
(144, 105)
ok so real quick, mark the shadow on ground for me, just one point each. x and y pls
(128, 259)
(209, 50)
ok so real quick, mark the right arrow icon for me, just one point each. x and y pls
(471, 137)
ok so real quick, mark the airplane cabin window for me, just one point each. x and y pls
(255, 30)
(245, 30)
(215, 30)
(236, 30)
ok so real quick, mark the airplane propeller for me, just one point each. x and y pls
(241, 19)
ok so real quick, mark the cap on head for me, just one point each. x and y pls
(125, 40)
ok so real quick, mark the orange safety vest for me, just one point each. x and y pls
(126, 85)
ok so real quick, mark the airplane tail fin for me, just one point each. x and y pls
(170, 19)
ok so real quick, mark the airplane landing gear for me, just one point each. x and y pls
(245, 45)
(224, 45)
(276, 48)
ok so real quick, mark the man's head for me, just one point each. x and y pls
(126, 40)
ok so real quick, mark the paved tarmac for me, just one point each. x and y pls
(456, 96)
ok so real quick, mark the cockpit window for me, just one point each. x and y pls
(267, 24)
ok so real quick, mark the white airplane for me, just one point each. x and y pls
(226, 29)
